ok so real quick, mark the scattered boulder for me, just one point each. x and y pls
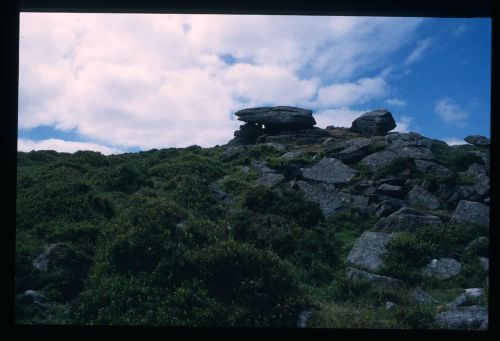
(476, 169)
(379, 159)
(418, 196)
(413, 152)
(352, 149)
(269, 177)
(377, 122)
(330, 199)
(462, 318)
(481, 185)
(294, 154)
(389, 305)
(406, 219)
(432, 167)
(368, 250)
(41, 263)
(304, 316)
(442, 268)
(219, 194)
(471, 212)
(278, 118)
(331, 171)
(421, 297)
(485, 263)
(478, 140)
(391, 190)
(382, 281)
(408, 139)
(33, 296)
(466, 298)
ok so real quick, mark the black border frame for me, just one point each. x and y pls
(8, 123)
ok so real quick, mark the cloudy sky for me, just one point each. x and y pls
(128, 82)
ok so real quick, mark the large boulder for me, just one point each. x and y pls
(331, 171)
(351, 150)
(478, 140)
(269, 177)
(368, 250)
(418, 196)
(278, 118)
(462, 318)
(476, 169)
(330, 199)
(407, 219)
(471, 212)
(385, 282)
(377, 122)
(442, 268)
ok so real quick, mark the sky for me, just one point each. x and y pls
(118, 83)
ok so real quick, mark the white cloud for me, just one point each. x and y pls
(403, 125)
(452, 141)
(58, 145)
(451, 112)
(341, 117)
(152, 81)
(418, 53)
(396, 102)
(359, 92)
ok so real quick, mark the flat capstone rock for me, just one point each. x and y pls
(281, 117)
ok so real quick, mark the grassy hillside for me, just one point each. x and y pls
(186, 237)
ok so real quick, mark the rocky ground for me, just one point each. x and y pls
(427, 204)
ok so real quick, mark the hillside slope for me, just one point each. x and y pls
(288, 224)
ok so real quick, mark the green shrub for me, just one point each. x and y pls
(406, 254)
(457, 159)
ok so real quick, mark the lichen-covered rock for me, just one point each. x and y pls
(382, 281)
(391, 190)
(407, 219)
(442, 268)
(294, 154)
(413, 152)
(368, 250)
(471, 212)
(352, 149)
(377, 122)
(331, 171)
(478, 140)
(418, 196)
(269, 177)
(462, 318)
(330, 199)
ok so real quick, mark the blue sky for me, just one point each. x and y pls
(128, 82)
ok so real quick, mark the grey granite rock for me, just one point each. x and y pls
(432, 167)
(378, 280)
(368, 250)
(478, 140)
(421, 297)
(379, 159)
(442, 268)
(281, 117)
(330, 199)
(462, 318)
(471, 212)
(418, 196)
(407, 219)
(377, 122)
(331, 171)
(42, 261)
